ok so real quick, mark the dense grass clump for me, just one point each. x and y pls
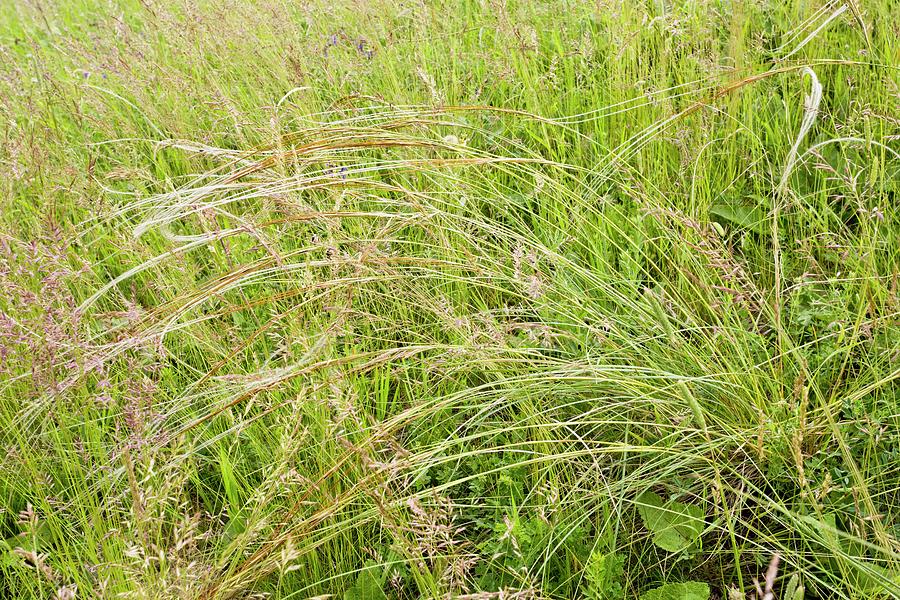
(481, 299)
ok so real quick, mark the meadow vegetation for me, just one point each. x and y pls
(476, 299)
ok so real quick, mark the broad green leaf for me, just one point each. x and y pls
(604, 573)
(746, 217)
(689, 590)
(864, 574)
(675, 526)
(368, 585)
(794, 589)
(36, 541)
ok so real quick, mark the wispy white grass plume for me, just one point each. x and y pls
(810, 112)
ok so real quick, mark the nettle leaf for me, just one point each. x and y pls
(676, 526)
(688, 590)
